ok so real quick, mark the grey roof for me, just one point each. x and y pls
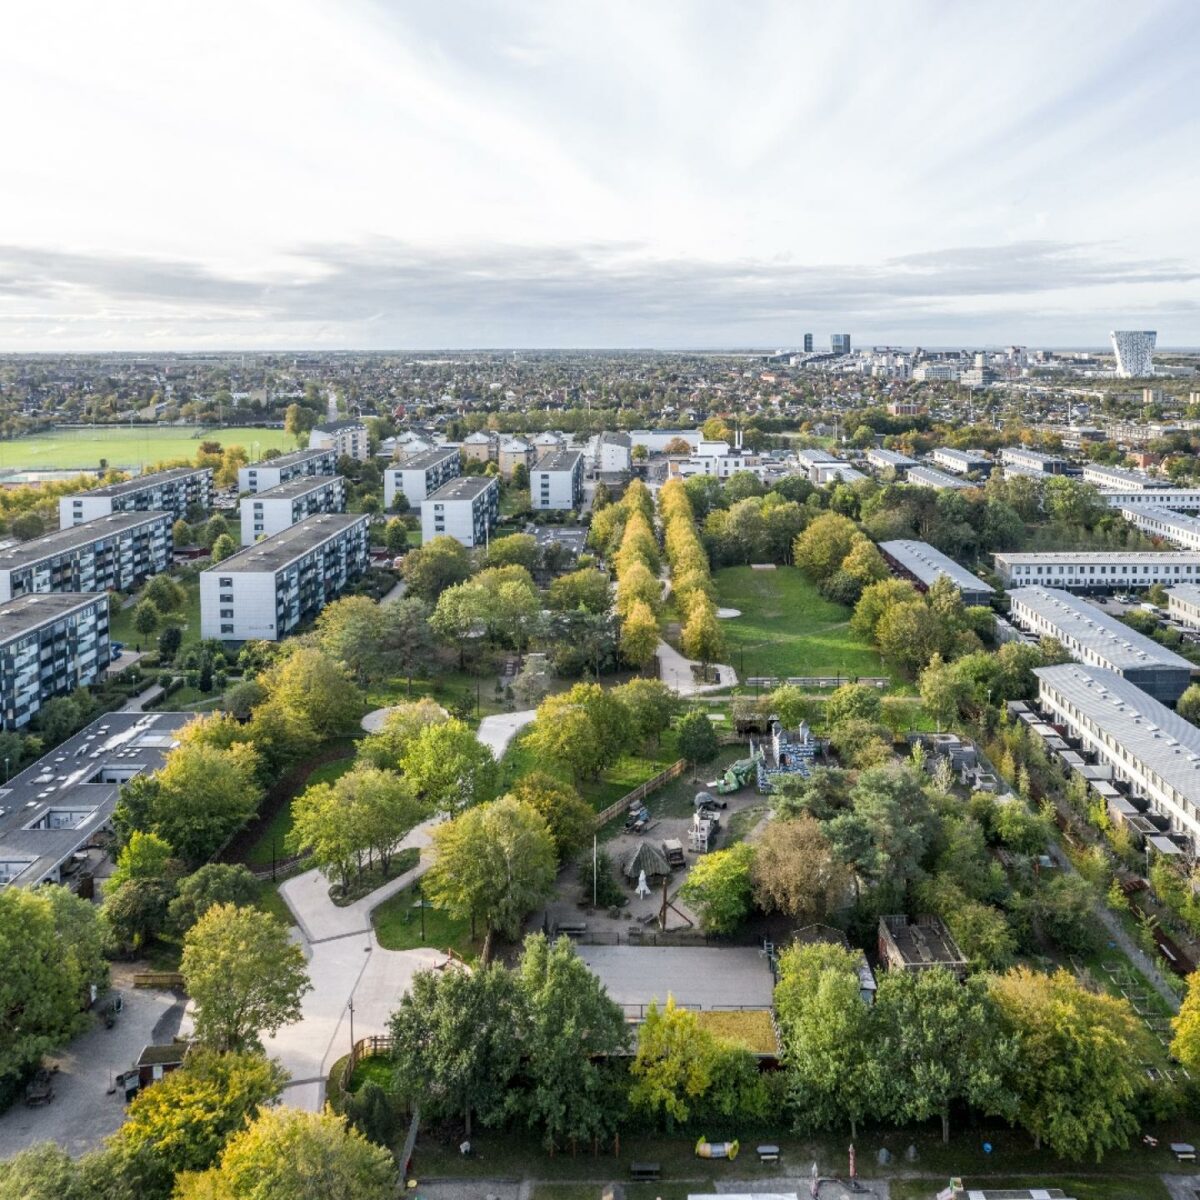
(558, 460)
(964, 456)
(1118, 558)
(63, 779)
(1120, 478)
(1188, 593)
(300, 485)
(1121, 647)
(891, 457)
(932, 477)
(18, 617)
(1187, 527)
(274, 553)
(142, 483)
(465, 487)
(617, 439)
(63, 540)
(424, 459)
(1033, 457)
(337, 426)
(288, 460)
(928, 563)
(811, 457)
(1154, 735)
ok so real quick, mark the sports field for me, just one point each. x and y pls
(125, 446)
(787, 628)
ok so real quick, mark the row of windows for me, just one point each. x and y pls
(1092, 569)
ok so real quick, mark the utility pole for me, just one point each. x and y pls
(351, 1008)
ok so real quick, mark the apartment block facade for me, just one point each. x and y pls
(163, 491)
(420, 475)
(271, 472)
(466, 509)
(265, 514)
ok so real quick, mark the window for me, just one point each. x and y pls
(226, 597)
(227, 614)
(225, 581)
(226, 628)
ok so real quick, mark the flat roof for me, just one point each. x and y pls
(1188, 526)
(275, 552)
(344, 423)
(1133, 479)
(932, 477)
(558, 460)
(31, 611)
(301, 485)
(1157, 737)
(129, 743)
(1189, 593)
(1121, 646)
(1028, 455)
(928, 564)
(287, 460)
(465, 487)
(424, 459)
(63, 540)
(890, 456)
(1106, 557)
(141, 482)
(963, 455)
(704, 976)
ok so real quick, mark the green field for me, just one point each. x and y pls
(125, 446)
(787, 628)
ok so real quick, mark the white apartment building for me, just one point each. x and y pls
(466, 509)
(347, 439)
(1172, 499)
(889, 460)
(266, 590)
(271, 472)
(115, 553)
(556, 481)
(614, 453)
(49, 646)
(1151, 749)
(1118, 479)
(265, 514)
(1017, 460)
(961, 462)
(1183, 604)
(721, 468)
(929, 477)
(419, 475)
(1097, 570)
(163, 491)
(1134, 350)
(1162, 523)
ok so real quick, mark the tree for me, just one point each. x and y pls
(568, 817)
(943, 690)
(26, 526)
(702, 638)
(853, 702)
(935, 1046)
(169, 642)
(720, 886)
(386, 746)
(821, 548)
(181, 534)
(145, 618)
(183, 1122)
(876, 600)
(376, 641)
(51, 949)
(287, 1154)
(1075, 1065)
(213, 883)
(223, 547)
(244, 974)
(317, 690)
(136, 912)
(449, 767)
(395, 535)
(432, 568)
(897, 814)
(826, 1030)
(517, 549)
(165, 594)
(582, 730)
(494, 863)
(457, 1040)
(651, 705)
(674, 1063)
(586, 588)
(908, 636)
(298, 422)
(1188, 705)
(639, 636)
(697, 738)
(144, 856)
(44, 1171)
(1185, 1046)
(573, 1030)
(795, 872)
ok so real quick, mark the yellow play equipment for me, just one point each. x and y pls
(707, 1149)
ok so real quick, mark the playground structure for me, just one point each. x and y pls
(739, 775)
(783, 753)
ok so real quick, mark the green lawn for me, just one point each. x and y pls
(120, 626)
(397, 924)
(787, 628)
(271, 841)
(124, 447)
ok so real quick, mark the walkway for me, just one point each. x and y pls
(497, 731)
(138, 703)
(676, 672)
(397, 593)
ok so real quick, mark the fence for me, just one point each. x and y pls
(640, 792)
(367, 1047)
(157, 979)
(817, 681)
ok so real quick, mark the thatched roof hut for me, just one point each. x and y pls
(646, 858)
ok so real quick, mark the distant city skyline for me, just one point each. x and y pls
(692, 174)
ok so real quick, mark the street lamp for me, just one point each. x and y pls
(421, 906)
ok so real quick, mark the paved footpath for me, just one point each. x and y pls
(676, 672)
(497, 731)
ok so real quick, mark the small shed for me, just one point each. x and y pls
(646, 858)
(156, 1061)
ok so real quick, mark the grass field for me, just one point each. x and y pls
(397, 924)
(787, 628)
(274, 835)
(129, 446)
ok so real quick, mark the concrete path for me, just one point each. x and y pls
(497, 731)
(676, 672)
(397, 593)
(139, 702)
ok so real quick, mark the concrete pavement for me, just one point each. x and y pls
(676, 672)
(497, 731)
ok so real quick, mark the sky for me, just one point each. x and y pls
(275, 174)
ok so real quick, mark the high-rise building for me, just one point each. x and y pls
(839, 343)
(808, 343)
(1134, 350)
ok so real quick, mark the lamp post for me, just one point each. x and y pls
(421, 907)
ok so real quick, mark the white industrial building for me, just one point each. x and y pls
(1097, 570)
(465, 509)
(271, 472)
(1172, 499)
(265, 514)
(1183, 604)
(613, 453)
(163, 491)
(1150, 748)
(925, 564)
(1093, 637)
(720, 467)
(346, 438)
(961, 462)
(1018, 460)
(889, 460)
(930, 477)
(419, 475)
(114, 553)
(264, 591)
(1162, 523)
(1119, 479)
(1134, 351)
(556, 481)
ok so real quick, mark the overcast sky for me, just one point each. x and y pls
(449, 173)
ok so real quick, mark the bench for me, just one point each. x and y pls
(1183, 1151)
(768, 1154)
(572, 928)
(644, 1172)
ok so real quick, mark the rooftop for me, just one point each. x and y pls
(19, 616)
(927, 564)
(932, 477)
(1122, 647)
(72, 791)
(973, 456)
(893, 457)
(424, 459)
(616, 439)
(274, 553)
(558, 460)
(1136, 480)
(1185, 524)
(465, 487)
(300, 485)
(1106, 557)
(334, 426)
(1033, 456)
(142, 482)
(288, 460)
(923, 941)
(63, 540)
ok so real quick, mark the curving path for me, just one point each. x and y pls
(676, 672)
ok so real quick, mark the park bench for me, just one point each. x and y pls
(1183, 1151)
(768, 1154)
(572, 928)
(644, 1172)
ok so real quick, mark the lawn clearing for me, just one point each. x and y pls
(269, 845)
(398, 926)
(787, 628)
(120, 623)
(124, 446)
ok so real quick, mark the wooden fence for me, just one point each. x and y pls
(367, 1047)
(157, 979)
(640, 792)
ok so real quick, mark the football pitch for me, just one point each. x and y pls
(125, 447)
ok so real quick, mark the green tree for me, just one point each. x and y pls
(586, 588)
(314, 688)
(144, 856)
(569, 818)
(288, 1154)
(376, 641)
(582, 730)
(674, 1064)
(821, 548)
(796, 872)
(494, 863)
(573, 1030)
(145, 618)
(899, 818)
(223, 547)
(721, 887)
(432, 568)
(697, 738)
(457, 1041)
(386, 746)
(244, 974)
(1188, 705)
(169, 642)
(702, 638)
(136, 912)
(651, 705)
(449, 767)
(165, 594)
(1185, 1046)
(853, 702)
(395, 536)
(517, 549)
(213, 883)
(298, 422)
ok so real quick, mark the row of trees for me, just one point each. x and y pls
(691, 581)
